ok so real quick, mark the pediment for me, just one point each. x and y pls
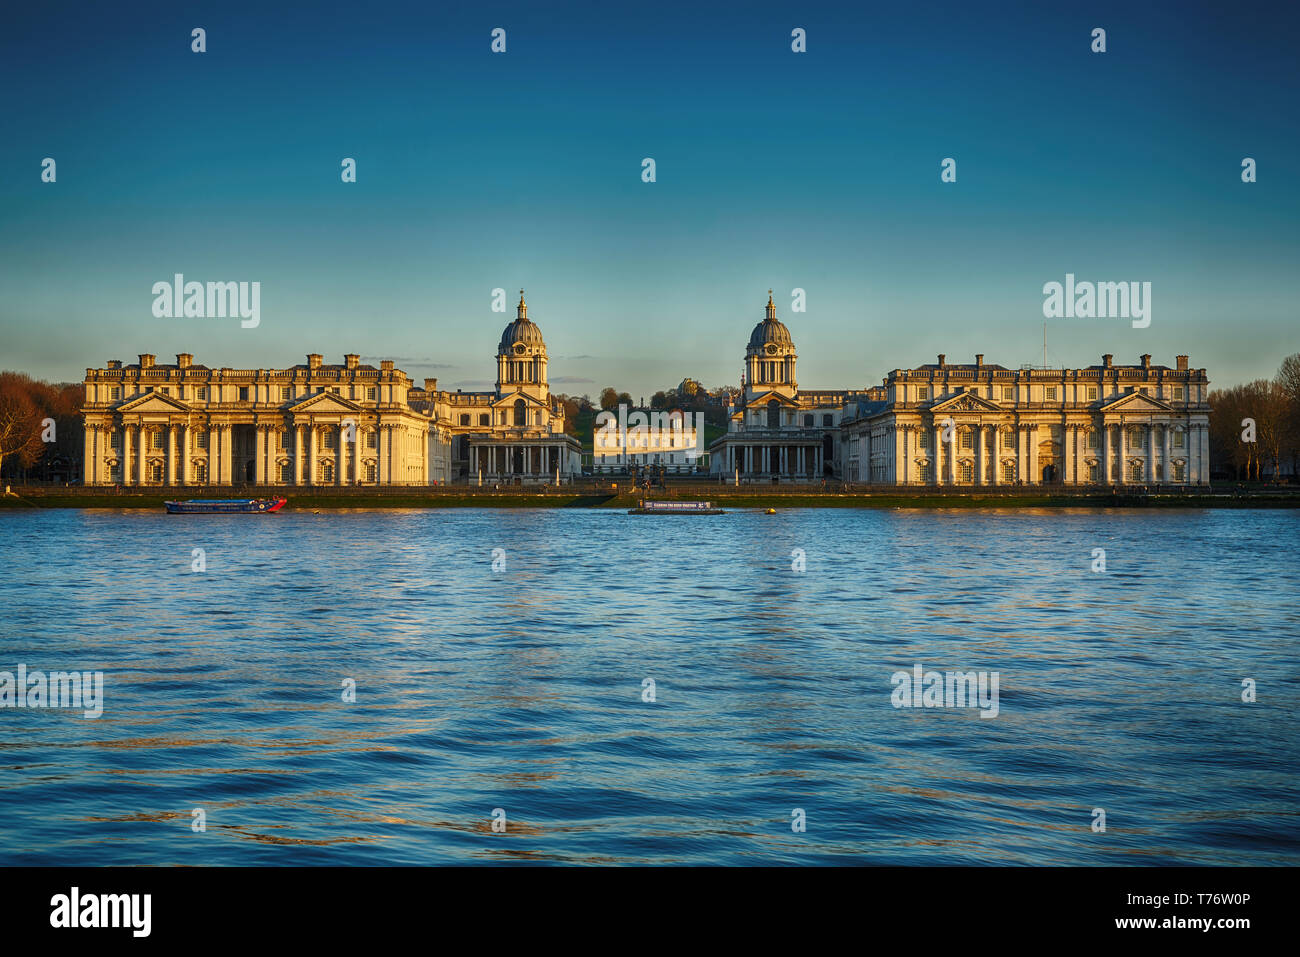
(766, 397)
(325, 403)
(154, 402)
(1137, 402)
(966, 402)
(509, 401)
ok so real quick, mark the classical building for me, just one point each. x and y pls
(947, 424)
(318, 424)
(775, 432)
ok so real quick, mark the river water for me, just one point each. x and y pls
(520, 691)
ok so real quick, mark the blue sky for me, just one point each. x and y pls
(774, 169)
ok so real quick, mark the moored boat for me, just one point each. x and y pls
(221, 506)
(675, 508)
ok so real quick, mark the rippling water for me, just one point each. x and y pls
(521, 689)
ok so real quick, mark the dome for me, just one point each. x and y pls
(521, 331)
(771, 330)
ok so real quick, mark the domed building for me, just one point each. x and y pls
(514, 434)
(776, 433)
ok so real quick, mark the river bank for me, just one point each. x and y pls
(724, 496)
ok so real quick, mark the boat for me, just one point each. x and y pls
(222, 506)
(675, 508)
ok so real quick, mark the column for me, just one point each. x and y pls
(297, 454)
(340, 455)
(259, 454)
(937, 446)
(357, 446)
(1166, 471)
(997, 464)
(1067, 451)
(312, 453)
(1122, 447)
(1034, 476)
(1104, 429)
(953, 447)
(906, 443)
(1151, 453)
(979, 455)
(142, 465)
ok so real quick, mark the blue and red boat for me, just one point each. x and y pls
(223, 506)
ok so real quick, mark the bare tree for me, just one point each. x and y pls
(20, 420)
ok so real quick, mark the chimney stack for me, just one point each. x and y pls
(351, 360)
(386, 365)
(313, 360)
(184, 360)
(1146, 361)
(430, 385)
(979, 360)
(146, 361)
(1182, 363)
(1106, 360)
(941, 360)
(115, 363)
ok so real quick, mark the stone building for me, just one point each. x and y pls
(775, 431)
(317, 424)
(945, 424)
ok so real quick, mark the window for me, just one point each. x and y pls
(808, 421)
(966, 472)
(286, 393)
(1092, 439)
(156, 473)
(1178, 439)
(1144, 390)
(372, 440)
(1135, 470)
(243, 393)
(1092, 393)
(325, 473)
(828, 420)
(1008, 392)
(371, 474)
(331, 440)
(484, 419)
(923, 440)
(201, 393)
(1178, 392)
(155, 440)
(165, 391)
(1137, 439)
(372, 393)
(922, 393)
(926, 474)
(114, 393)
(1008, 472)
(1180, 472)
(200, 440)
(286, 473)
(1050, 392)
(201, 473)
(464, 419)
(1094, 473)
(335, 390)
(967, 439)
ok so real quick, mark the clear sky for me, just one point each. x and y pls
(818, 170)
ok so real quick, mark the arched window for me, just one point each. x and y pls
(773, 414)
(521, 412)
(484, 419)
(464, 419)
